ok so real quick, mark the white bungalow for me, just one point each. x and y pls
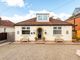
(43, 27)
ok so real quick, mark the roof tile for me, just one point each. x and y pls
(6, 23)
(33, 22)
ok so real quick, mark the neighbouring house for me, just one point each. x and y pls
(43, 27)
(75, 16)
(7, 27)
(77, 23)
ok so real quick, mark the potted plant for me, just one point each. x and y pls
(74, 39)
(43, 38)
(78, 39)
(36, 38)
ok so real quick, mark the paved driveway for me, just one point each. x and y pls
(38, 52)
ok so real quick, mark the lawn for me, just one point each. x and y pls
(16, 51)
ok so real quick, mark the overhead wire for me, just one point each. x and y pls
(65, 4)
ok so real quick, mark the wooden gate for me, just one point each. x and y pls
(3, 36)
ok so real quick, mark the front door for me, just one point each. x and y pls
(39, 33)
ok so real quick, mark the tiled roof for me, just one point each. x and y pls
(6, 23)
(33, 22)
(77, 20)
(73, 16)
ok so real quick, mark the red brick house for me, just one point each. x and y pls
(77, 23)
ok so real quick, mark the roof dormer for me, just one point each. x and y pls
(42, 17)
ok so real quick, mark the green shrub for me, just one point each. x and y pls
(78, 38)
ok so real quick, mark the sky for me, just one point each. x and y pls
(19, 10)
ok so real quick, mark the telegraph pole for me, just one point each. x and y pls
(75, 32)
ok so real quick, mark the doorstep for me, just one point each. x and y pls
(49, 42)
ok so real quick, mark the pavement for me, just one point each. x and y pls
(4, 42)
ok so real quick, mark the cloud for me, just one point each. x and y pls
(19, 3)
(17, 18)
(29, 5)
(31, 14)
(64, 16)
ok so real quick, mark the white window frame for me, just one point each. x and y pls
(43, 17)
(58, 30)
(26, 28)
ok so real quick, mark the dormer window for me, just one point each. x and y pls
(45, 17)
(42, 17)
(39, 17)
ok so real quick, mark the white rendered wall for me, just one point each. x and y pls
(8, 29)
(67, 37)
(49, 36)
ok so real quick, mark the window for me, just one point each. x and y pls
(28, 27)
(39, 17)
(23, 27)
(45, 17)
(54, 27)
(25, 30)
(59, 27)
(57, 30)
(42, 17)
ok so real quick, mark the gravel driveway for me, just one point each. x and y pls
(38, 52)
